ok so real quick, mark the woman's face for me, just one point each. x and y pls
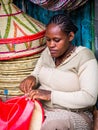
(56, 40)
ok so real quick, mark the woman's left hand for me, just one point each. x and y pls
(39, 94)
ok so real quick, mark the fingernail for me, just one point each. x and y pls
(28, 98)
(26, 94)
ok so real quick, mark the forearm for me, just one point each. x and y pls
(79, 99)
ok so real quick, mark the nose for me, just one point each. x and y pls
(51, 44)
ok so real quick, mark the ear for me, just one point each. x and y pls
(71, 36)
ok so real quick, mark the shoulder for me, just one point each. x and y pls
(84, 51)
(84, 54)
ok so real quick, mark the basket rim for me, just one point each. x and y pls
(19, 40)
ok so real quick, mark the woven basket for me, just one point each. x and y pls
(45, 3)
(60, 5)
(21, 43)
(21, 35)
(13, 72)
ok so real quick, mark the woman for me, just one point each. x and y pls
(64, 79)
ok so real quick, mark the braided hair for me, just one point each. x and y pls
(64, 22)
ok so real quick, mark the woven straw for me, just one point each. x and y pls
(21, 35)
(45, 3)
(14, 71)
(21, 43)
(60, 5)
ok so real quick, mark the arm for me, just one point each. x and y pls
(87, 95)
(31, 81)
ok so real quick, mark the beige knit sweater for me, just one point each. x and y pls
(74, 83)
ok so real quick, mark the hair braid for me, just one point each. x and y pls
(64, 22)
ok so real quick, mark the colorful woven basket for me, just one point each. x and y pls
(45, 3)
(13, 72)
(20, 35)
(60, 4)
(21, 43)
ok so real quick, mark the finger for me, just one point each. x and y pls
(22, 87)
(36, 97)
(26, 87)
(31, 94)
(39, 97)
(30, 83)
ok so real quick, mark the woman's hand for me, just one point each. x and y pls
(28, 84)
(40, 94)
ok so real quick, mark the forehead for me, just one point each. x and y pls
(54, 29)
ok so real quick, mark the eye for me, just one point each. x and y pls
(57, 40)
(48, 39)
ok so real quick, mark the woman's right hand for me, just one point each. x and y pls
(28, 84)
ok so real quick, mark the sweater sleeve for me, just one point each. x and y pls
(87, 95)
(37, 68)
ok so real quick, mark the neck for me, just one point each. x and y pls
(70, 48)
(65, 55)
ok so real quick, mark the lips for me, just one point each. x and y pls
(53, 51)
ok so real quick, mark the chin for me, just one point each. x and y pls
(54, 56)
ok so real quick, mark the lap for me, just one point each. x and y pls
(58, 119)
